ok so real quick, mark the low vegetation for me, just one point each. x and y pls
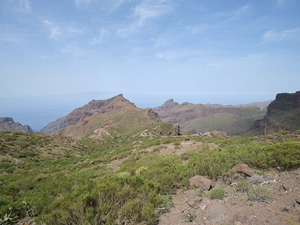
(59, 180)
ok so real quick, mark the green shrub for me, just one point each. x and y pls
(190, 217)
(243, 186)
(259, 172)
(258, 193)
(217, 193)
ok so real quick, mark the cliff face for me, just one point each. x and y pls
(8, 124)
(282, 114)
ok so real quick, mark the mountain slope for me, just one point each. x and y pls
(194, 118)
(114, 115)
(8, 124)
(282, 114)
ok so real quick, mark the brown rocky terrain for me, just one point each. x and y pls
(8, 124)
(275, 199)
(98, 116)
(282, 114)
(195, 118)
(282, 207)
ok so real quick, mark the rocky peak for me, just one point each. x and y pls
(284, 101)
(153, 115)
(8, 124)
(93, 108)
(169, 104)
(282, 114)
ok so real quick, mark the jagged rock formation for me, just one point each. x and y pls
(8, 124)
(116, 112)
(282, 114)
(196, 118)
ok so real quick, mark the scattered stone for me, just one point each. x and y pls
(244, 168)
(286, 187)
(255, 179)
(200, 182)
(194, 203)
(237, 223)
(237, 176)
(205, 134)
(216, 211)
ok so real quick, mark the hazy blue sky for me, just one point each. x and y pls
(227, 52)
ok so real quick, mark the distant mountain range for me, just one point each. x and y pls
(8, 124)
(117, 114)
(195, 118)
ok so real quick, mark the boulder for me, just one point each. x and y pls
(245, 169)
(200, 182)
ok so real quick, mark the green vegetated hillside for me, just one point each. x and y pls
(195, 118)
(128, 178)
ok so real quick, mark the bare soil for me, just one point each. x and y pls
(235, 209)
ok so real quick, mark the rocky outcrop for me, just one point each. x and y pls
(8, 124)
(200, 182)
(282, 114)
(175, 130)
(244, 169)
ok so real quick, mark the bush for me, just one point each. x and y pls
(243, 186)
(257, 193)
(190, 217)
(217, 193)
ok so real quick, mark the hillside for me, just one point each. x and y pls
(8, 124)
(195, 118)
(112, 117)
(53, 179)
(115, 164)
(282, 114)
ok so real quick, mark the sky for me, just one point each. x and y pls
(56, 55)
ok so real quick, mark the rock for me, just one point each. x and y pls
(237, 223)
(255, 179)
(200, 182)
(194, 203)
(286, 187)
(244, 168)
(282, 114)
(205, 134)
(298, 201)
(175, 130)
(101, 133)
(216, 212)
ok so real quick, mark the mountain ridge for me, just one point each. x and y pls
(8, 124)
(106, 116)
(195, 118)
